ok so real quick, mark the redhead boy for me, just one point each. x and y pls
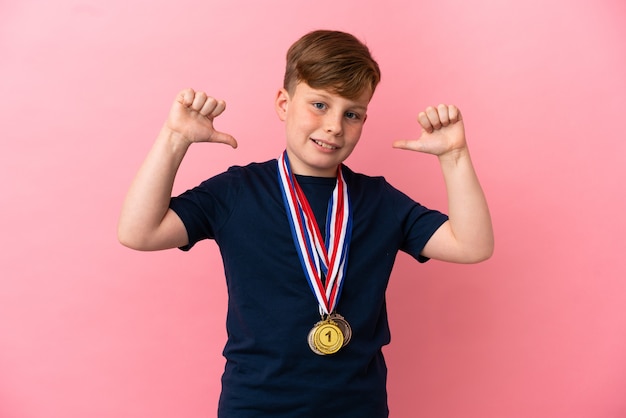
(308, 245)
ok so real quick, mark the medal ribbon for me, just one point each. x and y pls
(319, 258)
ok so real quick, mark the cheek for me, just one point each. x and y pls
(354, 132)
(308, 124)
(301, 129)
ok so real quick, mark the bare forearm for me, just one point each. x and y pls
(470, 221)
(146, 222)
(147, 201)
(468, 236)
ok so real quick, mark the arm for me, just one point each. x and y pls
(467, 237)
(146, 222)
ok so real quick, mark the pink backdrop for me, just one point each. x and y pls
(91, 329)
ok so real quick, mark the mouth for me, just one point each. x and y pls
(324, 145)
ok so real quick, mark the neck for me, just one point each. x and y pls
(297, 167)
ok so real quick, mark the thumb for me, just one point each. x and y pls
(408, 144)
(224, 138)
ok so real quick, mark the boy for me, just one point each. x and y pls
(307, 244)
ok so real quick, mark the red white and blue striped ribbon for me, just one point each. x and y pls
(319, 257)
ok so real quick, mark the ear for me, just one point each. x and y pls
(282, 104)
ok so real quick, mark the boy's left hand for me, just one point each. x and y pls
(442, 132)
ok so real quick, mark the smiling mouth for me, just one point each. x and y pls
(324, 145)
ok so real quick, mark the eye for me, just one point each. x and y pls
(319, 106)
(353, 115)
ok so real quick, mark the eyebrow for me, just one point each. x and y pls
(353, 105)
(359, 107)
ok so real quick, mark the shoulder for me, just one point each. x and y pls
(360, 178)
(254, 171)
(362, 183)
(254, 168)
(376, 191)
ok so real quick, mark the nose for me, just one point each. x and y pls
(333, 123)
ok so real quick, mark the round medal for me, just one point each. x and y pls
(327, 337)
(311, 343)
(344, 326)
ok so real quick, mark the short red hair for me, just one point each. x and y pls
(331, 60)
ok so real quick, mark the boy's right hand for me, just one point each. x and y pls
(191, 116)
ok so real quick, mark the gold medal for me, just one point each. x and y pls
(344, 326)
(326, 337)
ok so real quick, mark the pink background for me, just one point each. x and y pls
(91, 329)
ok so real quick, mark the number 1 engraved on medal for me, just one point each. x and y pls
(326, 337)
(343, 325)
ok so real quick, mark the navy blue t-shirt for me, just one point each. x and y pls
(270, 369)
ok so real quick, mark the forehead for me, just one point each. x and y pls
(306, 91)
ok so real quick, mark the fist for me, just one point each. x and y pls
(442, 131)
(192, 116)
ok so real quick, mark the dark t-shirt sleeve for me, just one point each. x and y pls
(418, 222)
(206, 207)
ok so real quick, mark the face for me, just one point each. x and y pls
(322, 128)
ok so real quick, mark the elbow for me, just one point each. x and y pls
(126, 240)
(482, 256)
(483, 253)
(473, 252)
(137, 238)
(473, 258)
(129, 239)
